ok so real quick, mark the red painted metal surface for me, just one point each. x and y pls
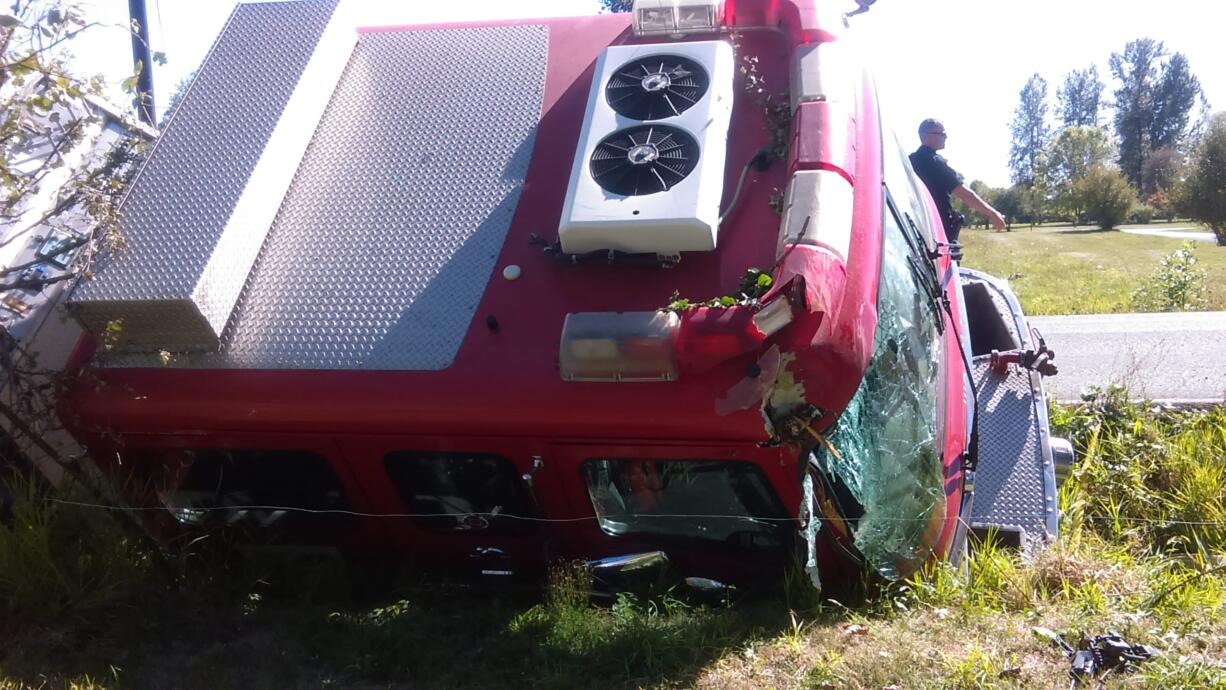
(823, 138)
(503, 393)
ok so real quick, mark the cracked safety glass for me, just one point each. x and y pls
(887, 436)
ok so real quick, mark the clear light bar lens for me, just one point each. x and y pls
(773, 317)
(616, 346)
(654, 21)
(701, 18)
(677, 17)
(817, 211)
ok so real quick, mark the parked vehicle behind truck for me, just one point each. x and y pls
(616, 288)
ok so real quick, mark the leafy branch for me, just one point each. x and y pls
(58, 184)
(754, 285)
(776, 108)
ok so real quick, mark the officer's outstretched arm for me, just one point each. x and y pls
(970, 198)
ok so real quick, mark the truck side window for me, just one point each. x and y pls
(461, 491)
(909, 192)
(270, 491)
(712, 500)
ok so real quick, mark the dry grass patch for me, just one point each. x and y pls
(931, 648)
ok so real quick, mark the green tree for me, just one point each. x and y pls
(59, 187)
(1079, 97)
(1137, 70)
(1030, 131)
(1106, 195)
(1153, 103)
(1017, 203)
(61, 177)
(47, 117)
(617, 5)
(1204, 192)
(1162, 171)
(1072, 154)
(1178, 91)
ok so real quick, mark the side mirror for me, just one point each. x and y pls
(864, 7)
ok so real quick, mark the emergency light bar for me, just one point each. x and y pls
(657, 345)
(677, 17)
(619, 346)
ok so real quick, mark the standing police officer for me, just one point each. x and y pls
(943, 180)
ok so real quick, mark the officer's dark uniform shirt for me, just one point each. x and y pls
(941, 180)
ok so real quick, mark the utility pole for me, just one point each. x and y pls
(142, 59)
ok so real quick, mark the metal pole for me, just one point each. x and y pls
(142, 59)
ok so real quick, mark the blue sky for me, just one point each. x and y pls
(961, 60)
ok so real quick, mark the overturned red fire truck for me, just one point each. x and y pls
(616, 288)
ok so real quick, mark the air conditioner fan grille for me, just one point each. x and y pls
(644, 160)
(656, 87)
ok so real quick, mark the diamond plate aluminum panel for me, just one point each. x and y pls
(181, 201)
(1010, 479)
(1015, 482)
(390, 231)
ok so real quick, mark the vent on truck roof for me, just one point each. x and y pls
(644, 160)
(656, 87)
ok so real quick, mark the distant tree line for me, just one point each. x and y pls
(1152, 151)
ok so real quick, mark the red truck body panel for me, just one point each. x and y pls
(503, 395)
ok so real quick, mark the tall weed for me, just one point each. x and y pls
(62, 562)
(1144, 523)
(1147, 498)
(1148, 477)
(1176, 285)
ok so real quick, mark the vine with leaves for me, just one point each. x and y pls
(754, 285)
(776, 108)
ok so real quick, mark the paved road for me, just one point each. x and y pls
(1171, 357)
(1175, 232)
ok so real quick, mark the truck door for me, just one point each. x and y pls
(469, 506)
(717, 512)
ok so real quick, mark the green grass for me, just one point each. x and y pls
(61, 563)
(1064, 270)
(1142, 551)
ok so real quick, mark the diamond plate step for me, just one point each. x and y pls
(389, 232)
(1015, 483)
(1011, 482)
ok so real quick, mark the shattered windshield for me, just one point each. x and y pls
(887, 436)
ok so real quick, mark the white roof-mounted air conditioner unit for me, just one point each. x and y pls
(648, 174)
